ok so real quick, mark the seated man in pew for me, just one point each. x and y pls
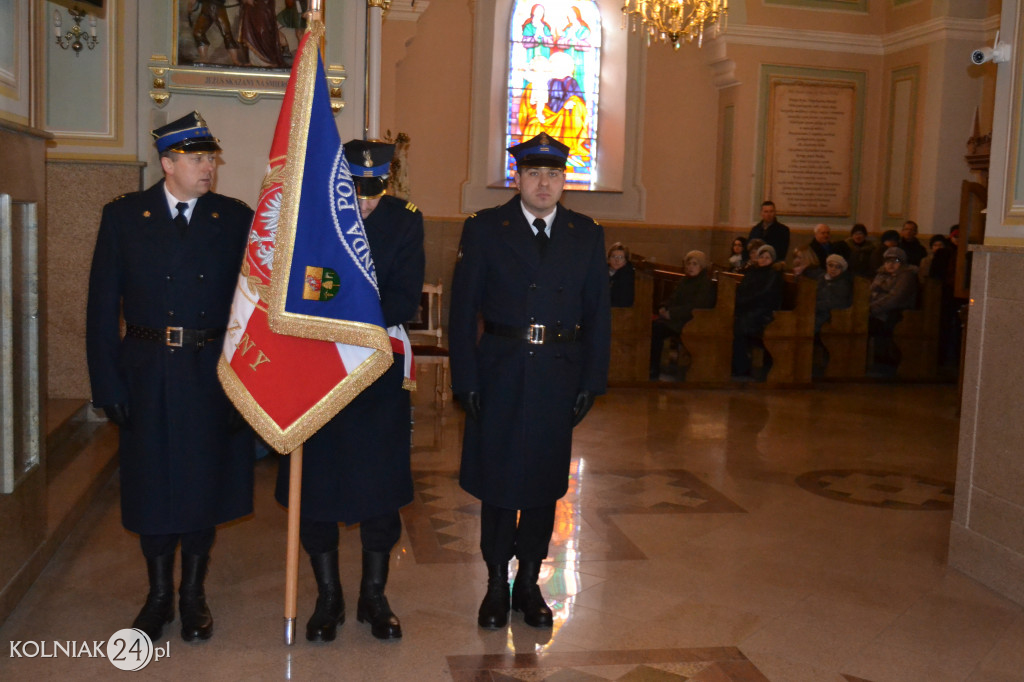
(758, 296)
(893, 290)
(694, 290)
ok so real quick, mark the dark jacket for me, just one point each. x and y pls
(833, 294)
(823, 252)
(893, 293)
(775, 234)
(183, 467)
(914, 249)
(357, 466)
(622, 282)
(859, 259)
(690, 293)
(757, 297)
(517, 455)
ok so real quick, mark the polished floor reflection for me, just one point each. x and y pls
(745, 534)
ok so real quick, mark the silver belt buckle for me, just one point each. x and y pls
(535, 335)
(170, 336)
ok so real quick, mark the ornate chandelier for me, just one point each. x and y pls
(673, 21)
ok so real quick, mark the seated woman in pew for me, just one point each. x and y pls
(738, 257)
(835, 291)
(694, 290)
(806, 263)
(621, 276)
(893, 290)
(758, 296)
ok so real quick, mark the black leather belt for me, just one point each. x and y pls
(535, 333)
(175, 337)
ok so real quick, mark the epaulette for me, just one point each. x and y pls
(240, 202)
(118, 198)
(472, 215)
(411, 206)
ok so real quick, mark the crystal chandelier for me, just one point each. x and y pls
(673, 21)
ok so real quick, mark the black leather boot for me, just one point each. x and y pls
(196, 621)
(159, 607)
(330, 603)
(493, 612)
(526, 595)
(373, 605)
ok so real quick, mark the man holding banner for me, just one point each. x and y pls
(356, 467)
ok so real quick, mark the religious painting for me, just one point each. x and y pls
(238, 33)
(554, 81)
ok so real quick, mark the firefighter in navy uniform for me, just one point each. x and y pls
(169, 258)
(536, 273)
(356, 468)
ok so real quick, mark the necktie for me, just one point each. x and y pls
(541, 236)
(180, 220)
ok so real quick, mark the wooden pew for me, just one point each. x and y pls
(789, 338)
(631, 333)
(917, 334)
(708, 336)
(845, 335)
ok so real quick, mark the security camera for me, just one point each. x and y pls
(998, 53)
(982, 55)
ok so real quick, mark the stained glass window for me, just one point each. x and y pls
(554, 79)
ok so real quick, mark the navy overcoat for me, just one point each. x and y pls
(356, 467)
(185, 464)
(517, 456)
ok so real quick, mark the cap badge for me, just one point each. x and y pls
(367, 160)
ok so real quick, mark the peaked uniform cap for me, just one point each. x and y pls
(370, 164)
(542, 150)
(186, 135)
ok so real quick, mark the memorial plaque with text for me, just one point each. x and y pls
(809, 161)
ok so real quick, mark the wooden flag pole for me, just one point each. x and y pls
(291, 571)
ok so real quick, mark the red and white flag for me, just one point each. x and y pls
(306, 333)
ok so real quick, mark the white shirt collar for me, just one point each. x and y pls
(172, 202)
(548, 221)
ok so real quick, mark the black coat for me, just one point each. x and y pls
(517, 456)
(183, 466)
(776, 235)
(356, 467)
(622, 283)
(758, 296)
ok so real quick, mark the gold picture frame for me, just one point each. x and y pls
(213, 53)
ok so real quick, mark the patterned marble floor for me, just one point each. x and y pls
(791, 536)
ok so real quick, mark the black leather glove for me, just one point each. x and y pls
(470, 403)
(584, 401)
(119, 414)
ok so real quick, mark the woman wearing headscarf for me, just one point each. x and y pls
(694, 290)
(758, 296)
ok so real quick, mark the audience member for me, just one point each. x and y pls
(835, 290)
(860, 248)
(757, 297)
(806, 263)
(694, 290)
(893, 290)
(823, 246)
(770, 230)
(936, 263)
(910, 243)
(752, 246)
(738, 256)
(620, 276)
(890, 238)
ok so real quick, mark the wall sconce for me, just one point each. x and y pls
(75, 38)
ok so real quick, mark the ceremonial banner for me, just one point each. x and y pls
(306, 333)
